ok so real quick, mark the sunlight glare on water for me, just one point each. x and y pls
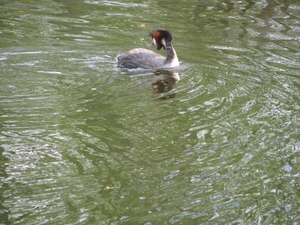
(215, 141)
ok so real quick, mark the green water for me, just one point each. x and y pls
(83, 142)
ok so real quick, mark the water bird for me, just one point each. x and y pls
(146, 59)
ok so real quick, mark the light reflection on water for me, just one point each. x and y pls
(215, 141)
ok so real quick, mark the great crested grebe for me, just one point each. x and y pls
(146, 59)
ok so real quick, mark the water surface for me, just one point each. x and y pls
(214, 142)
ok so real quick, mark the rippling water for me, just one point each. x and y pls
(213, 142)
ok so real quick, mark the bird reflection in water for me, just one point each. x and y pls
(162, 81)
(165, 81)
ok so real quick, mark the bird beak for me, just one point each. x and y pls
(152, 43)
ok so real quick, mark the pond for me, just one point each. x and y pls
(215, 141)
